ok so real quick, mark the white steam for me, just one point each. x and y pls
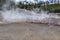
(22, 15)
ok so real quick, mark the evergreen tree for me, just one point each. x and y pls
(1, 3)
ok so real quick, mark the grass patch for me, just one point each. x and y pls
(55, 8)
(52, 6)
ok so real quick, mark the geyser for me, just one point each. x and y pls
(11, 15)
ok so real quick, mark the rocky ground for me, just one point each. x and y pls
(29, 31)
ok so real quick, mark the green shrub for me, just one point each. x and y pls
(28, 6)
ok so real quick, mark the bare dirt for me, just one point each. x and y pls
(28, 31)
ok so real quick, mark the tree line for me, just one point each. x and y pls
(21, 5)
(28, 6)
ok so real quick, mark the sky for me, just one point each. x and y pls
(17, 1)
(28, 0)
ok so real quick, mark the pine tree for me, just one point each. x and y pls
(1, 3)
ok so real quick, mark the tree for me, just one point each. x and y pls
(28, 6)
(1, 3)
(58, 2)
(55, 1)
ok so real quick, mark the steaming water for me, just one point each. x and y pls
(19, 15)
(22, 15)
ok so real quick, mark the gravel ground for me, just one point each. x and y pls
(28, 31)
